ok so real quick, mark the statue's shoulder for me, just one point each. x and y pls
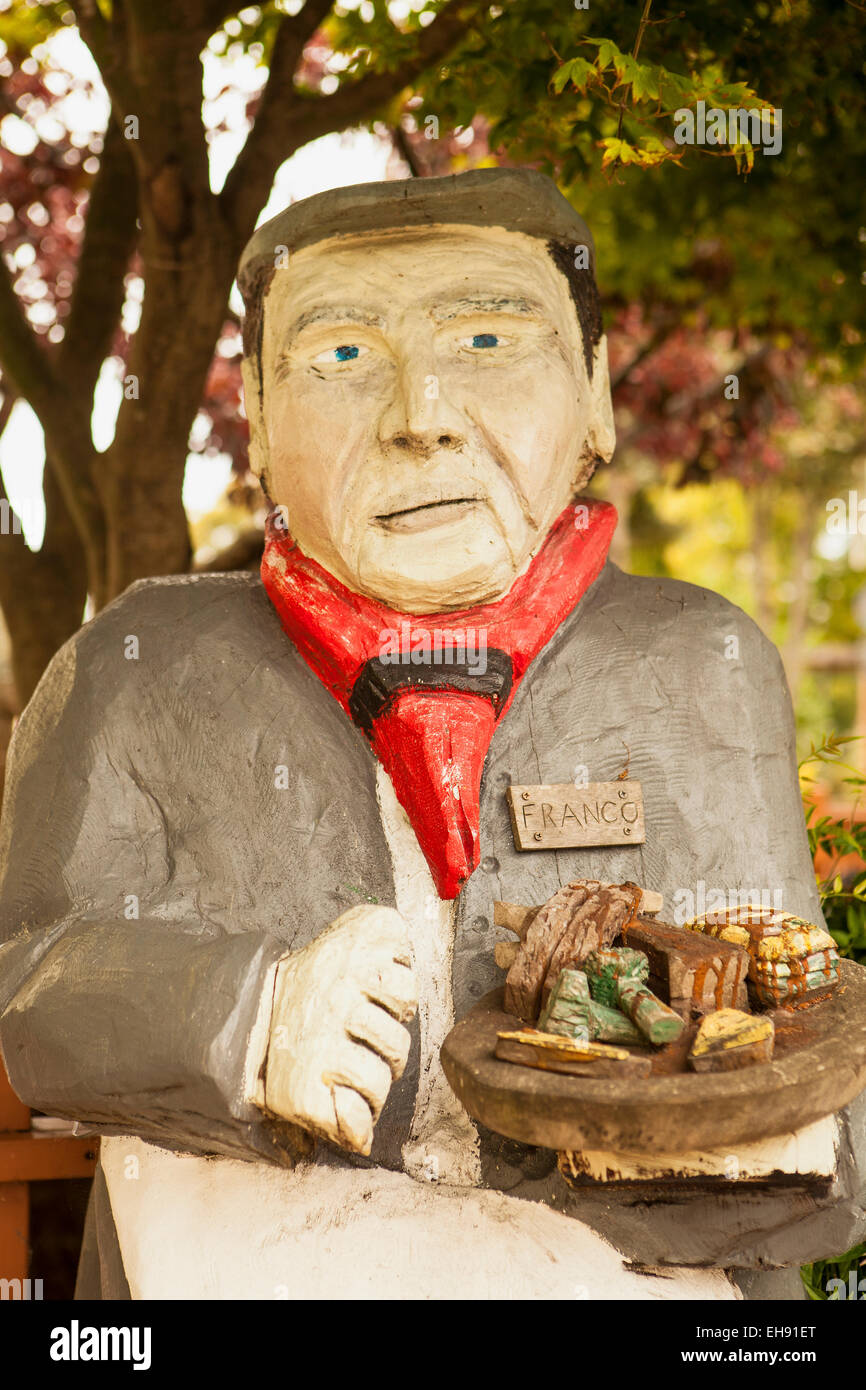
(174, 629)
(183, 611)
(674, 615)
(190, 599)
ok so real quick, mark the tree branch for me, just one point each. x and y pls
(14, 535)
(24, 362)
(42, 592)
(401, 144)
(288, 118)
(97, 300)
(149, 59)
(656, 338)
(258, 161)
(94, 28)
(688, 399)
(106, 42)
(109, 239)
(65, 421)
(59, 384)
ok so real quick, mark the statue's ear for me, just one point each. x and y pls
(258, 450)
(601, 433)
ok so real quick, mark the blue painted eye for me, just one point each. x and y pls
(344, 352)
(485, 340)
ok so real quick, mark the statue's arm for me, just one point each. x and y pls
(123, 1006)
(126, 1012)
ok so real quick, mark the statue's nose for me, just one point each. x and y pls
(420, 419)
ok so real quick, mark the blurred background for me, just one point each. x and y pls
(142, 141)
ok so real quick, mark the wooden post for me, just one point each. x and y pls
(14, 1203)
(25, 1157)
(14, 1230)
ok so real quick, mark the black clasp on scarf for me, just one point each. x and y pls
(379, 683)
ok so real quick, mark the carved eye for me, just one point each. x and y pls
(483, 340)
(346, 352)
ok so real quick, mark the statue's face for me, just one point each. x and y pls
(427, 409)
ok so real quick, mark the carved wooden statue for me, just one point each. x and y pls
(249, 873)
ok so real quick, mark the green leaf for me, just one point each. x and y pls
(614, 149)
(576, 70)
(645, 83)
(744, 155)
(562, 76)
(675, 90)
(626, 68)
(608, 55)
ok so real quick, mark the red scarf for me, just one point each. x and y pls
(430, 720)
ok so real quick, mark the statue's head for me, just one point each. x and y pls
(426, 379)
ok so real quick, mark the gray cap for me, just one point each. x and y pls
(519, 200)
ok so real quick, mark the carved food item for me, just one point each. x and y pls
(729, 1039)
(681, 989)
(617, 981)
(571, 1013)
(548, 1052)
(791, 982)
(656, 1021)
(605, 970)
(518, 918)
(689, 969)
(791, 961)
(578, 919)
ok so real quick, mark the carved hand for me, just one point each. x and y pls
(337, 1039)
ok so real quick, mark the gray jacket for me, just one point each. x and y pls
(153, 870)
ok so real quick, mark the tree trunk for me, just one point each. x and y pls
(183, 314)
(42, 593)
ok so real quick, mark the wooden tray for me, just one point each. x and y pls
(819, 1066)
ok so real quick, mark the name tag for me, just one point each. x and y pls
(565, 816)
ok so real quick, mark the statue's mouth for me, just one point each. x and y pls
(428, 515)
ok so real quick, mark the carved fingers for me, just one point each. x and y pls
(353, 1123)
(338, 1039)
(373, 1026)
(392, 987)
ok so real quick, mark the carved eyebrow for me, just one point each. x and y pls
(486, 304)
(335, 314)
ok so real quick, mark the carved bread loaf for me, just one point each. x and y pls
(581, 917)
